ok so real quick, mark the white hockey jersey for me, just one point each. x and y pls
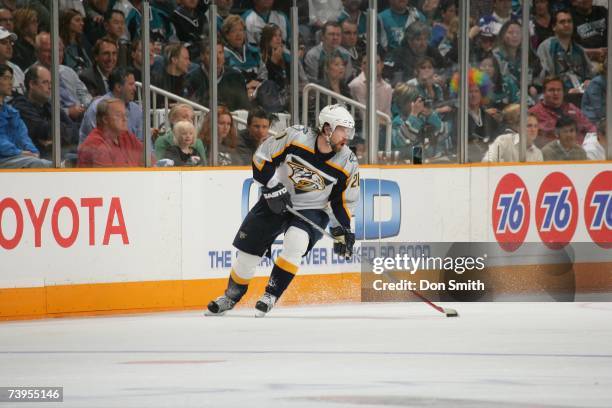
(313, 179)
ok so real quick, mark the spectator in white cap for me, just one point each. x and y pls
(7, 39)
(483, 42)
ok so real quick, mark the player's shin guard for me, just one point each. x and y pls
(285, 268)
(281, 276)
(243, 270)
(237, 284)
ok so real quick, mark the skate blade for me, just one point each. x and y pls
(209, 313)
(259, 313)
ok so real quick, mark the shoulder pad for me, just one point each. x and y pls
(297, 133)
(347, 160)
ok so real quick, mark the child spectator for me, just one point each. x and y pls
(179, 112)
(182, 152)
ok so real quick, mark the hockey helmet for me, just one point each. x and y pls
(337, 115)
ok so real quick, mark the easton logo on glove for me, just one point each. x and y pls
(278, 198)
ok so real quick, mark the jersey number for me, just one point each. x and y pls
(354, 182)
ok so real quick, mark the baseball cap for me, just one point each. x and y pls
(486, 30)
(4, 33)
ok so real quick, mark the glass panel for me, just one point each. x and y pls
(494, 78)
(571, 89)
(421, 57)
(95, 48)
(177, 84)
(26, 125)
(330, 59)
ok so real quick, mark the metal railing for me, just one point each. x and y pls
(352, 105)
(169, 97)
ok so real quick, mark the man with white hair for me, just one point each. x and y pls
(305, 170)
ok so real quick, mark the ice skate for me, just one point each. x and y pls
(264, 304)
(219, 306)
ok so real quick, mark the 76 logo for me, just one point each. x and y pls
(558, 210)
(512, 212)
(602, 202)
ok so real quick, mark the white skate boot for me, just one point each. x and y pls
(219, 306)
(264, 304)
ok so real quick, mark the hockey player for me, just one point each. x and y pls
(311, 171)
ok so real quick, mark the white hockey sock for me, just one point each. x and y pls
(295, 244)
(243, 267)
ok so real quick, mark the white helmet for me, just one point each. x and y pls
(337, 115)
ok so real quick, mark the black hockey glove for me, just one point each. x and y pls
(278, 198)
(345, 241)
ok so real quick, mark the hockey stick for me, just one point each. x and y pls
(447, 311)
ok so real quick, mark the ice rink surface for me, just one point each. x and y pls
(495, 355)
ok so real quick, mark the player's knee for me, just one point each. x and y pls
(295, 245)
(244, 265)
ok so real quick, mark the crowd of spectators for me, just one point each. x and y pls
(417, 80)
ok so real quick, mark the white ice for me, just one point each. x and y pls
(495, 355)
